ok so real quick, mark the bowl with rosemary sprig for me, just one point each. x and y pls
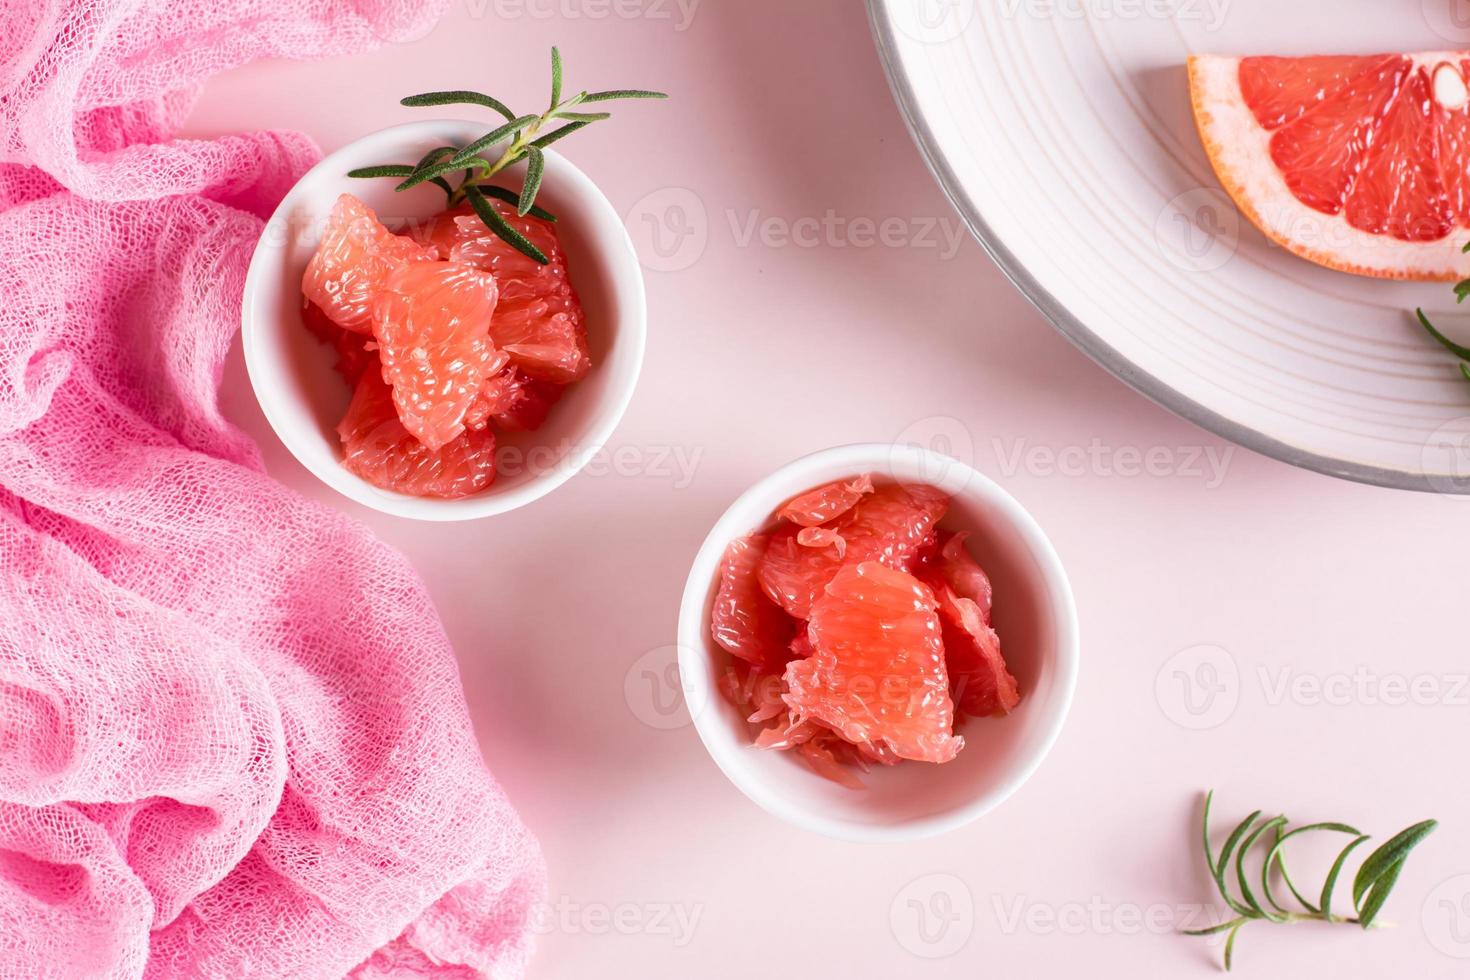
(445, 320)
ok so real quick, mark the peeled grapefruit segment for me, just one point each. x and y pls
(745, 622)
(950, 563)
(432, 323)
(889, 525)
(377, 447)
(355, 256)
(826, 503)
(1357, 163)
(877, 675)
(514, 400)
(539, 321)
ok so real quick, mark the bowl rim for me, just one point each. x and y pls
(693, 647)
(631, 327)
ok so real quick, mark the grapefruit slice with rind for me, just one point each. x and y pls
(1360, 163)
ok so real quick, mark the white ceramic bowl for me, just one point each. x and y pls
(1034, 614)
(304, 398)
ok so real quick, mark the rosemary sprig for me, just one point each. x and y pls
(476, 163)
(1371, 885)
(1462, 289)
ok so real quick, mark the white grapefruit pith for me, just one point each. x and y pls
(1357, 163)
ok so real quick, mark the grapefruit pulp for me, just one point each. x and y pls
(859, 630)
(455, 331)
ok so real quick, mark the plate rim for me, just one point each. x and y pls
(1092, 344)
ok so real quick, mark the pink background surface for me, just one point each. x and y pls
(762, 349)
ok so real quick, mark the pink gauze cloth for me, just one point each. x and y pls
(233, 741)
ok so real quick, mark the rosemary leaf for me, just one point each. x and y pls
(511, 197)
(459, 97)
(622, 93)
(535, 169)
(1240, 876)
(1225, 852)
(1460, 351)
(432, 157)
(440, 169)
(501, 227)
(1230, 946)
(1372, 885)
(493, 137)
(386, 170)
(558, 134)
(1378, 893)
(1330, 885)
(1381, 869)
(526, 141)
(1277, 855)
(1212, 930)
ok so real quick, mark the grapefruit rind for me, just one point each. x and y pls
(1239, 150)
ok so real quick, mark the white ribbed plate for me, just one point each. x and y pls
(1061, 130)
